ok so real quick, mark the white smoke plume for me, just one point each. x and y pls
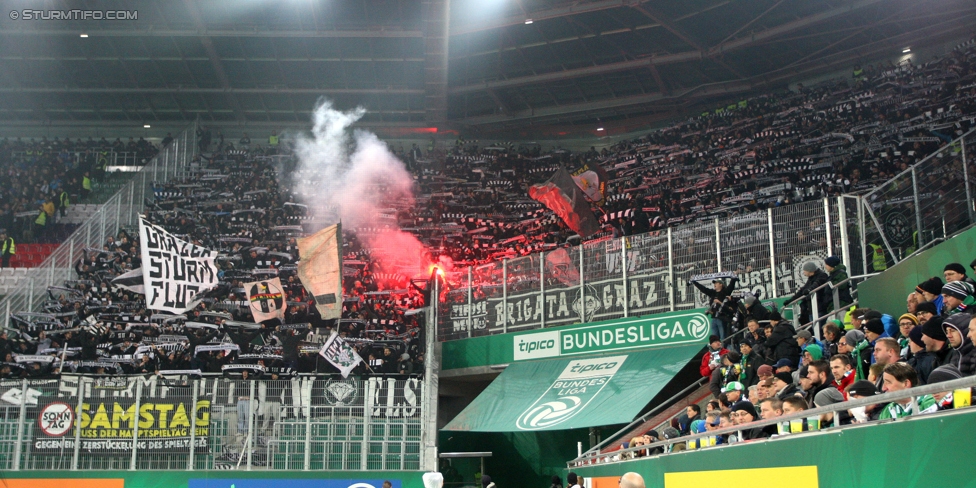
(354, 171)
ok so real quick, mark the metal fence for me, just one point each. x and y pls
(122, 209)
(649, 273)
(303, 423)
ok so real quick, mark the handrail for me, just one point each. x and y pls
(884, 398)
(654, 411)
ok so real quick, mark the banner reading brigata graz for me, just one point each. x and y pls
(617, 335)
(108, 417)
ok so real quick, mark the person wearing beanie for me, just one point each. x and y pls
(956, 272)
(815, 278)
(486, 481)
(906, 323)
(744, 413)
(764, 371)
(963, 354)
(812, 353)
(556, 481)
(874, 329)
(863, 389)
(861, 351)
(930, 290)
(712, 359)
(925, 311)
(670, 433)
(780, 343)
(940, 375)
(749, 363)
(828, 397)
(783, 385)
(957, 297)
(837, 273)
(919, 359)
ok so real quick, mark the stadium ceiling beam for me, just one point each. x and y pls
(686, 56)
(380, 32)
(213, 91)
(932, 33)
(548, 14)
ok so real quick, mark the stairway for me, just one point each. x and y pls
(11, 279)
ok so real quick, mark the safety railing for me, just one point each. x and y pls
(649, 273)
(827, 418)
(302, 423)
(122, 209)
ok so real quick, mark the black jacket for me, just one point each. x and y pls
(781, 344)
(718, 311)
(818, 279)
(963, 358)
(923, 362)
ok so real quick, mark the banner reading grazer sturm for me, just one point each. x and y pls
(267, 299)
(174, 271)
(165, 419)
(320, 269)
(340, 354)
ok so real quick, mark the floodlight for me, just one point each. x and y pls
(84, 35)
(528, 21)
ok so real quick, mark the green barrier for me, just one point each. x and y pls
(918, 451)
(193, 479)
(887, 292)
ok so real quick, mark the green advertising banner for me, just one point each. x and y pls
(570, 393)
(209, 479)
(613, 336)
(917, 451)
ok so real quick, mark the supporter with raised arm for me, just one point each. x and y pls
(718, 306)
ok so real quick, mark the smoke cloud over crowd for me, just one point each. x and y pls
(354, 172)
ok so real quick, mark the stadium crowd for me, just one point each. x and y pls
(472, 205)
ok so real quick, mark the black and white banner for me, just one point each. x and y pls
(174, 271)
(337, 352)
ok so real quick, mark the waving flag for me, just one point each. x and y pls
(592, 179)
(561, 195)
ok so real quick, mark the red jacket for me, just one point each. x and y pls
(846, 381)
(707, 358)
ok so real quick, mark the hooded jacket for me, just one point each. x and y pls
(964, 356)
(843, 291)
(781, 344)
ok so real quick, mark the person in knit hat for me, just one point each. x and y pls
(957, 297)
(925, 311)
(906, 323)
(815, 278)
(837, 273)
(918, 358)
(956, 272)
(963, 355)
(930, 290)
(874, 330)
(812, 353)
(942, 374)
(861, 353)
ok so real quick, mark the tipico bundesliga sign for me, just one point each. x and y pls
(619, 335)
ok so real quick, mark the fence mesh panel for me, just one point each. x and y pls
(604, 286)
(799, 236)
(744, 242)
(647, 273)
(695, 253)
(524, 309)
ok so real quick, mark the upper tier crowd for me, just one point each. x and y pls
(472, 205)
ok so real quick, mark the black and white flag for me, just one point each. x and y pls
(175, 272)
(340, 354)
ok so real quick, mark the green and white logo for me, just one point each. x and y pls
(626, 334)
(579, 383)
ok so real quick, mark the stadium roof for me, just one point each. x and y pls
(510, 64)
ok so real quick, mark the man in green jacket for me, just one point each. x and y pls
(837, 273)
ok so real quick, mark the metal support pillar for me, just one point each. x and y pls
(772, 252)
(81, 399)
(830, 237)
(582, 309)
(623, 263)
(864, 237)
(718, 245)
(542, 285)
(249, 444)
(845, 242)
(671, 287)
(965, 176)
(193, 426)
(135, 427)
(918, 210)
(505, 316)
(21, 418)
(470, 303)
